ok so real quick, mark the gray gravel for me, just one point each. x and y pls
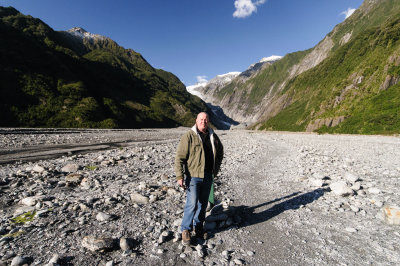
(284, 199)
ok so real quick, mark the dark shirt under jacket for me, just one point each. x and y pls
(205, 137)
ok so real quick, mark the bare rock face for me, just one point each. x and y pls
(329, 122)
(389, 81)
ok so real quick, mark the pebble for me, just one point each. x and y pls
(18, 261)
(101, 217)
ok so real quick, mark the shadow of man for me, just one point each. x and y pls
(292, 201)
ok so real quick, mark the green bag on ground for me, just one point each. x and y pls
(211, 197)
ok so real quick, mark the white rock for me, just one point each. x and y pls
(316, 182)
(351, 177)
(31, 201)
(374, 190)
(356, 186)
(18, 261)
(238, 262)
(101, 216)
(160, 251)
(177, 222)
(97, 244)
(70, 168)
(38, 169)
(23, 209)
(124, 244)
(137, 198)
(351, 230)
(340, 188)
(391, 215)
(54, 260)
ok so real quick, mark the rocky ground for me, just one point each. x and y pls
(284, 199)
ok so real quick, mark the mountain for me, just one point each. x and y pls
(347, 83)
(209, 91)
(78, 79)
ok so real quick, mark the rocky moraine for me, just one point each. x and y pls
(109, 197)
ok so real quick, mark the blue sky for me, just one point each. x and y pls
(197, 39)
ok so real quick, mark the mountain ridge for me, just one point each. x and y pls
(287, 95)
(58, 79)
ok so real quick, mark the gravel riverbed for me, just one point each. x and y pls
(109, 197)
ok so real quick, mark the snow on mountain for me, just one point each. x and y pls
(223, 79)
(271, 58)
(81, 33)
(219, 80)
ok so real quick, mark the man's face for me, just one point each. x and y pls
(202, 122)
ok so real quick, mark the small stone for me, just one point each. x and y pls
(160, 251)
(356, 186)
(188, 249)
(31, 201)
(73, 179)
(101, 217)
(238, 262)
(340, 188)
(70, 168)
(200, 253)
(97, 244)
(137, 198)
(38, 169)
(250, 253)
(182, 255)
(125, 244)
(351, 230)
(354, 208)
(391, 215)
(316, 182)
(18, 261)
(351, 178)
(110, 263)
(54, 260)
(374, 190)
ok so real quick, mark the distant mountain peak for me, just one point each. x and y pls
(271, 58)
(82, 33)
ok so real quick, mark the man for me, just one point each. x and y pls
(198, 159)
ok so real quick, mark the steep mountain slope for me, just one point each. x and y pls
(78, 79)
(210, 91)
(347, 83)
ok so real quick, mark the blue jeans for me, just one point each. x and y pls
(198, 190)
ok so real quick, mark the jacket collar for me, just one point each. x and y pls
(210, 131)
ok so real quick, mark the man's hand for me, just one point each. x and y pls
(182, 184)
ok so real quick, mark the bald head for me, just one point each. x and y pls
(202, 122)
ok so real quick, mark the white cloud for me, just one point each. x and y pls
(348, 12)
(201, 79)
(245, 8)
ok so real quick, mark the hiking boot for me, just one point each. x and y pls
(200, 232)
(186, 237)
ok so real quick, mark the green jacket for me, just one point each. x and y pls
(190, 158)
